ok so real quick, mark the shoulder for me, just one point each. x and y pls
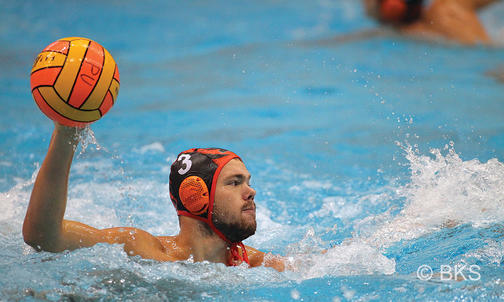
(124, 234)
(258, 258)
(160, 248)
(173, 247)
(138, 242)
(169, 242)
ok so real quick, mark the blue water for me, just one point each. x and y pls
(387, 151)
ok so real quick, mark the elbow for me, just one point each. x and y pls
(32, 241)
(30, 234)
(30, 237)
(27, 233)
(129, 248)
(37, 240)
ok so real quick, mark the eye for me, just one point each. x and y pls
(234, 182)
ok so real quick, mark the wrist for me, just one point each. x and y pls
(67, 135)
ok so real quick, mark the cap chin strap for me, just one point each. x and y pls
(236, 258)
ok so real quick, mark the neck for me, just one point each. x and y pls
(201, 244)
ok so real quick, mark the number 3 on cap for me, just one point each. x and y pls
(185, 158)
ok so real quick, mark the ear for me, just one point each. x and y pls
(194, 195)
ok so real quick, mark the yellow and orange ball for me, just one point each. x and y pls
(74, 81)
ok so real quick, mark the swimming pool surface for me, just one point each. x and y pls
(387, 151)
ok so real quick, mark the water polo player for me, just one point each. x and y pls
(455, 20)
(210, 189)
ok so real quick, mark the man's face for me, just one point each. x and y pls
(234, 208)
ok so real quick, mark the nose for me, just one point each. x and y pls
(249, 193)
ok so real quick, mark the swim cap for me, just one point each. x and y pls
(193, 179)
(400, 11)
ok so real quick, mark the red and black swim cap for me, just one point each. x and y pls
(400, 11)
(193, 179)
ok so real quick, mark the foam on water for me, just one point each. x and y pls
(337, 206)
(444, 191)
(493, 252)
(348, 258)
(13, 206)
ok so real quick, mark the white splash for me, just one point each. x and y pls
(493, 252)
(86, 138)
(337, 206)
(12, 209)
(444, 191)
(352, 257)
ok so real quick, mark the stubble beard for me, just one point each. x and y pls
(234, 231)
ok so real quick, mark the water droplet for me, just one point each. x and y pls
(295, 294)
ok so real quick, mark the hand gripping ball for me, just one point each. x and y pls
(74, 81)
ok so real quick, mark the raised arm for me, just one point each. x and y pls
(44, 227)
(43, 224)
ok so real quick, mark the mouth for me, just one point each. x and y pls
(249, 209)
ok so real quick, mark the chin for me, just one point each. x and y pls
(248, 228)
(238, 230)
(250, 224)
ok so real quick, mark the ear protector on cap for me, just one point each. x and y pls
(194, 195)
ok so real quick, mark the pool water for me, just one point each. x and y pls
(387, 152)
